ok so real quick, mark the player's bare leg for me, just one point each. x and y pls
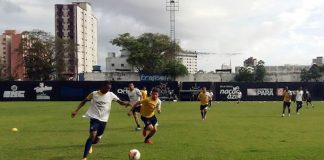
(135, 115)
(152, 130)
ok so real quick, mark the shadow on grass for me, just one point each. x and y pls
(42, 148)
(121, 144)
(78, 146)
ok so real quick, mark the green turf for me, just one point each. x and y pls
(248, 131)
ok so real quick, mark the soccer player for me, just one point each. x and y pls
(134, 95)
(286, 101)
(239, 96)
(203, 97)
(308, 98)
(299, 99)
(211, 94)
(98, 113)
(144, 93)
(148, 107)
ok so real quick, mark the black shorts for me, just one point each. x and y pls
(148, 121)
(202, 107)
(308, 100)
(137, 109)
(286, 104)
(96, 125)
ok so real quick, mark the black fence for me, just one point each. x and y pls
(72, 90)
(186, 91)
(267, 91)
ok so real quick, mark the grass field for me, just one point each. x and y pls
(248, 131)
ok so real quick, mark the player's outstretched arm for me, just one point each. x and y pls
(74, 113)
(123, 103)
(158, 108)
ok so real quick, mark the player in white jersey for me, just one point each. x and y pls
(211, 95)
(98, 114)
(239, 96)
(299, 99)
(134, 95)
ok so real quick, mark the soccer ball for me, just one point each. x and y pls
(134, 154)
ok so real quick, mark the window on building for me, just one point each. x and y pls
(112, 65)
(122, 65)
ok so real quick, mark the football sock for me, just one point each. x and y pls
(87, 147)
(288, 110)
(202, 114)
(148, 137)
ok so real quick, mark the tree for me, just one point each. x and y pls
(304, 75)
(2, 74)
(314, 73)
(151, 53)
(175, 68)
(251, 73)
(245, 75)
(260, 71)
(38, 49)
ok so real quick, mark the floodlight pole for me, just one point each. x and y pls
(172, 6)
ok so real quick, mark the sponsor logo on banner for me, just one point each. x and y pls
(230, 91)
(40, 91)
(145, 77)
(14, 93)
(260, 92)
(122, 90)
(280, 91)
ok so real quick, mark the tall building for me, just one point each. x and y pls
(189, 59)
(76, 22)
(11, 62)
(318, 61)
(250, 62)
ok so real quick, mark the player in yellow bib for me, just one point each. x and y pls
(148, 107)
(144, 93)
(204, 98)
(287, 94)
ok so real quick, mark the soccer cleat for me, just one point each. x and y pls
(90, 150)
(84, 159)
(283, 115)
(288, 115)
(148, 142)
(138, 128)
(298, 113)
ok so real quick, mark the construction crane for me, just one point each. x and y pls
(230, 54)
(210, 53)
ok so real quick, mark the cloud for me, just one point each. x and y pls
(9, 7)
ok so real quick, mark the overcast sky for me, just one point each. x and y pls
(276, 31)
